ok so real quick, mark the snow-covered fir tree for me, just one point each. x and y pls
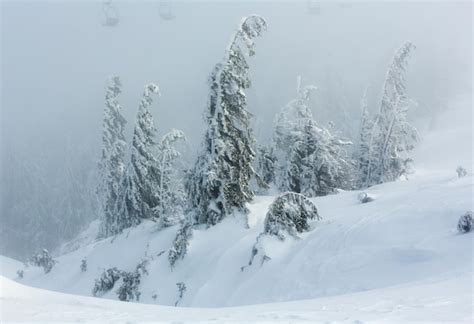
(180, 243)
(170, 187)
(312, 161)
(363, 150)
(141, 194)
(219, 182)
(112, 165)
(130, 288)
(392, 136)
(265, 165)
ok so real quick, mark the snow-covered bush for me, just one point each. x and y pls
(83, 265)
(180, 243)
(131, 282)
(106, 281)
(20, 274)
(462, 172)
(290, 213)
(181, 290)
(365, 197)
(44, 260)
(465, 223)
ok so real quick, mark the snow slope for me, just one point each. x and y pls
(399, 258)
(407, 234)
(443, 301)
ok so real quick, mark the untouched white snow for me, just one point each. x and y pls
(398, 258)
(443, 301)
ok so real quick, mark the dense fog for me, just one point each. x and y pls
(57, 55)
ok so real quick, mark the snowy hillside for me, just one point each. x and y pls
(446, 301)
(397, 258)
(407, 234)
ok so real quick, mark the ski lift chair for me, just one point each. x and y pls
(111, 14)
(165, 11)
(314, 8)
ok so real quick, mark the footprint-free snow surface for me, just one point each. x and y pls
(398, 258)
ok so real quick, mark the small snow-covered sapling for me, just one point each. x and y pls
(462, 172)
(465, 223)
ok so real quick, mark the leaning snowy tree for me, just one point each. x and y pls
(111, 165)
(219, 181)
(362, 154)
(392, 136)
(141, 193)
(312, 161)
(170, 187)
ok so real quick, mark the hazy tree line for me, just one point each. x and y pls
(139, 178)
(303, 157)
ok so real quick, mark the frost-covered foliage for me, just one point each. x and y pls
(83, 265)
(112, 165)
(170, 187)
(220, 180)
(392, 137)
(181, 290)
(129, 290)
(289, 214)
(465, 223)
(266, 163)
(363, 150)
(311, 159)
(141, 193)
(180, 243)
(462, 172)
(44, 260)
(106, 281)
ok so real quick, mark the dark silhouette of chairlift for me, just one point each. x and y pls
(313, 7)
(111, 14)
(165, 11)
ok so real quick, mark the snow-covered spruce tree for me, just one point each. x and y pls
(141, 194)
(219, 181)
(171, 193)
(129, 290)
(392, 136)
(265, 165)
(365, 134)
(312, 161)
(112, 166)
(180, 243)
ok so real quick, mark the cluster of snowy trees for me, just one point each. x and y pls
(148, 186)
(304, 158)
